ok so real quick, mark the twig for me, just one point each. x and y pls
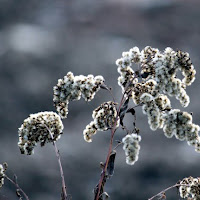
(104, 86)
(109, 150)
(163, 191)
(17, 186)
(123, 99)
(119, 143)
(64, 188)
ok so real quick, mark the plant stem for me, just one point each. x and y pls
(17, 186)
(64, 188)
(109, 150)
(173, 186)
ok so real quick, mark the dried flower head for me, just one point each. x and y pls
(89, 131)
(190, 187)
(160, 67)
(180, 125)
(158, 74)
(153, 107)
(71, 88)
(131, 147)
(105, 116)
(2, 173)
(36, 129)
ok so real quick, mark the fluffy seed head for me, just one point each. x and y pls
(36, 129)
(71, 88)
(131, 147)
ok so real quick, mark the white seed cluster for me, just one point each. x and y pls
(131, 147)
(141, 88)
(173, 121)
(36, 129)
(105, 116)
(179, 124)
(127, 80)
(71, 88)
(190, 188)
(153, 107)
(158, 72)
(2, 175)
(159, 66)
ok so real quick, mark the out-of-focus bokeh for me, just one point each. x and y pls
(40, 41)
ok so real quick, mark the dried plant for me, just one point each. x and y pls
(149, 87)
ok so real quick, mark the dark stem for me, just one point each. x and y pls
(119, 143)
(109, 150)
(124, 97)
(163, 191)
(64, 188)
(17, 186)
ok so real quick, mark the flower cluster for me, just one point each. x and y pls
(180, 125)
(131, 147)
(141, 88)
(127, 80)
(160, 67)
(3, 169)
(2, 175)
(158, 72)
(173, 121)
(190, 188)
(37, 128)
(71, 88)
(153, 108)
(105, 116)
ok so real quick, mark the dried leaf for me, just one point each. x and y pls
(15, 178)
(111, 164)
(105, 196)
(131, 110)
(123, 111)
(18, 193)
(96, 189)
(145, 74)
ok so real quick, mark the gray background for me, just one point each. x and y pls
(40, 41)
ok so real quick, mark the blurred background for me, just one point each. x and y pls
(40, 41)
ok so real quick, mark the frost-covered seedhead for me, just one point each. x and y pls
(157, 66)
(131, 147)
(2, 173)
(71, 88)
(190, 188)
(105, 116)
(36, 129)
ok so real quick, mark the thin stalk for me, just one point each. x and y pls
(109, 150)
(17, 186)
(123, 99)
(64, 188)
(165, 190)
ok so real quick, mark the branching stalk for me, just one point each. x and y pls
(109, 150)
(17, 186)
(165, 190)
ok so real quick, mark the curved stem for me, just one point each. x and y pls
(17, 186)
(64, 188)
(165, 190)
